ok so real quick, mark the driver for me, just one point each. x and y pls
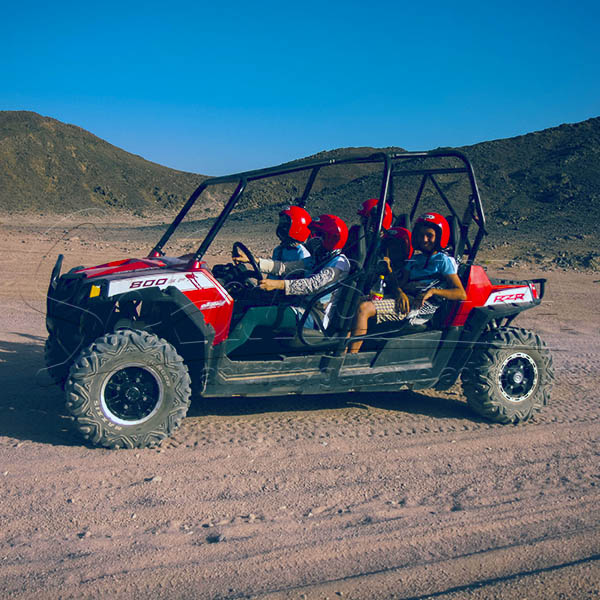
(292, 231)
(326, 265)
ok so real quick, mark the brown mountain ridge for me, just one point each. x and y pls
(50, 166)
(542, 186)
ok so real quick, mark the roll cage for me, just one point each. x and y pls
(394, 166)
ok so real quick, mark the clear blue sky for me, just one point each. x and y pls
(227, 86)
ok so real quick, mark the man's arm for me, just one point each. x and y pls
(302, 287)
(312, 284)
(308, 285)
(453, 291)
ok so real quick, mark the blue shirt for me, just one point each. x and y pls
(291, 254)
(426, 270)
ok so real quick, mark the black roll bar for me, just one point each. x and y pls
(308, 187)
(385, 184)
(429, 173)
(210, 236)
(390, 161)
(157, 250)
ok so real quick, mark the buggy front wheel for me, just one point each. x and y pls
(509, 375)
(129, 389)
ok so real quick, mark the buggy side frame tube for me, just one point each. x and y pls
(385, 183)
(308, 187)
(210, 236)
(468, 168)
(157, 250)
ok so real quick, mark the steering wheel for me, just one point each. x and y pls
(255, 272)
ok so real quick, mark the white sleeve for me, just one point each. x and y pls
(279, 268)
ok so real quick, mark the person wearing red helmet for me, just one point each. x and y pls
(402, 237)
(326, 265)
(397, 249)
(368, 213)
(428, 276)
(292, 231)
(360, 236)
(432, 274)
(328, 236)
(439, 224)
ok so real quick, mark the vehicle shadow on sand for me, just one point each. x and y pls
(405, 401)
(31, 405)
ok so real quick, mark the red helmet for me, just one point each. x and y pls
(299, 222)
(369, 205)
(439, 223)
(332, 230)
(402, 234)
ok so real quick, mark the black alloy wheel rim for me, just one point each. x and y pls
(131, 395)
(518, 377)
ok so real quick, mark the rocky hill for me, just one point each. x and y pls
(548, 175)
(541, 191)
(544, 184)
(49, 166)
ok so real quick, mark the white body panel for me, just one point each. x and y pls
(185, 282)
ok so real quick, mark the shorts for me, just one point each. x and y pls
(386, 311)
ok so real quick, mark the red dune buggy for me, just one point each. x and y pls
(129, 339)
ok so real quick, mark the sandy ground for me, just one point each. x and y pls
(405, 495)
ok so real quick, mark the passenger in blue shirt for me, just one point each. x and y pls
(429, 274)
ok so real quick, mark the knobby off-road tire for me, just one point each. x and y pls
(57, 359)
(509, 375)
(128, 389)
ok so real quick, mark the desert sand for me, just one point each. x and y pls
(396, 495)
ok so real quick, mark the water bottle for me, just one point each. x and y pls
(377, 289)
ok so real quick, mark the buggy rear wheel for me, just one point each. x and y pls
(128, 389)
(509, 375)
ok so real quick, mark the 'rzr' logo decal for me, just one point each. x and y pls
(509, 296)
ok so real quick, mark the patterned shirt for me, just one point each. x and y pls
(323, 274)
(332, 270)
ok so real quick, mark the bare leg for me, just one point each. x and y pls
(366, 310)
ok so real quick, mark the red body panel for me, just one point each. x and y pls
(215, 304)
(122, 266)
(195, 281)
(479, 288)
